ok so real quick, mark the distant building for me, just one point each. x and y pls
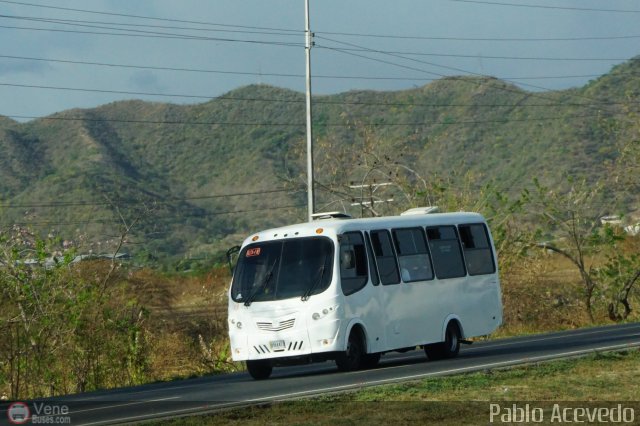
(611, 220)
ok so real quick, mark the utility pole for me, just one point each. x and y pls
(308, 45)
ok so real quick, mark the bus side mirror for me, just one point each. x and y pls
(232, 257)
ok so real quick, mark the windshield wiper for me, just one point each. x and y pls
(313, 286)
(262, 285)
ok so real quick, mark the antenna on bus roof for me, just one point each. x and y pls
(330, 215)
(420, 210)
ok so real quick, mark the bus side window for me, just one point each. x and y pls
(353, 263)
(375, 276)
(477, 250)
(413, 255)
(385, 257)
(446, 252)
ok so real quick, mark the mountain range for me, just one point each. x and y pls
(194, 179)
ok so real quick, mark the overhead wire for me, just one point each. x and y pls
(397, 56)
(134, 32)
(161, 36)
(480, 39)
(82, 22)
(301, 100)
(542, 6)
(271, 74)
(157, 201)
(162, 19)
(114, 222)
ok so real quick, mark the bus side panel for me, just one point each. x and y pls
(414, 313)
(365, 306)
(481, 306)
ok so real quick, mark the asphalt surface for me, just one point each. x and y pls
(207, 394)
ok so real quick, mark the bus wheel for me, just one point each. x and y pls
(351, 359)
(447, 349)
(260, 369)
(370, 360)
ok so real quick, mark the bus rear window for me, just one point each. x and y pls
(477, 249)
(445, 249)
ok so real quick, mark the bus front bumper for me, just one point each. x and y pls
(317, 338)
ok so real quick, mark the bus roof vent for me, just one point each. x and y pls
(420, 210)
(330, 215)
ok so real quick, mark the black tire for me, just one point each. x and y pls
(370, 360)
(447, 349)
(351, 359)
(260, 369)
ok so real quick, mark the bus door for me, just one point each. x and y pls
(389, 293)
(359, 281)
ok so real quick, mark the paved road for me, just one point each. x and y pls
(207, 394)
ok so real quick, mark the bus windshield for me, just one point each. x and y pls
(276, 270)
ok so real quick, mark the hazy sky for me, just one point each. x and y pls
(222, 45)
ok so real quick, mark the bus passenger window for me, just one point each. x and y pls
(385, 257)
(445, 249)
(375, 277)
(353, 263)
(477, 249)
(413, 255)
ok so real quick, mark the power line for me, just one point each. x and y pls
(539, 6)
(317, 102)
(141, 33)
(79, 22)
(106, 221)
(433, 64)
(160, 201)
(168, 36)
(479, 39)
(287, 75)
(148, 17)
(456, 55)
(158, 68)
(161, 122)
(283, 31)
(301, 124)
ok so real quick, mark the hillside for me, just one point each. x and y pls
(83, 171)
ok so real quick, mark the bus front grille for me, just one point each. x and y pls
(276, 326)
(291, 346)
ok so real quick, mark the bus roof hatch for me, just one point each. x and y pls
(420, 210)
(330, 215)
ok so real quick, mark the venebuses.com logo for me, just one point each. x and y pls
(18, 413)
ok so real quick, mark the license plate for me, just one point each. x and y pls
(277, 345)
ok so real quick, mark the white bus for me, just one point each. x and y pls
(350, 290)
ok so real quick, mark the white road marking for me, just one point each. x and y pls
(124, 404)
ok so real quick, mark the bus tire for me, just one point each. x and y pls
(351, 359)
(370, 360)
(447, 349)
(259, 369)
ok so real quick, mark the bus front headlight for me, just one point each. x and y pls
(324, 312)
